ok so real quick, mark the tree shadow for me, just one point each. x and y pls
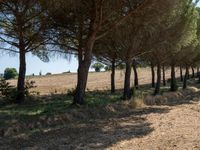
(98, 133)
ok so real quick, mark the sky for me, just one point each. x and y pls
(35, 65)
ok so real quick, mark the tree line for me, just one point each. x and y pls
(160, 33)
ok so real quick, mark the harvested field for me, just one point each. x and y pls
(96, 81)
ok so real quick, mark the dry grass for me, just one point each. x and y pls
(62, 82)
(137, 103)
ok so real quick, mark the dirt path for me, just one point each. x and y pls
(153, 128)
(178, 130)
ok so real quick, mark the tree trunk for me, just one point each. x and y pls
(157, 89)
(83, 70)
(21, 78)
(127, 81)
(193, 73)
(164, 80)
(185, 78)
(85, 58)
(173, 86)
(153, 76)
(188, 73)
(136, 82)
(181, 73)
(197, 72)
(113, 77)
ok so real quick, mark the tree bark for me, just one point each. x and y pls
(193, 73)
(136, 81)
(153, 76)
(164, 80)
(188, 73)
(157, 89)
(181, 73)
(113, 77)
(197, 75)
(21, 78)
(185, 78)
(85, 58)
(127, 81)
(173, 86)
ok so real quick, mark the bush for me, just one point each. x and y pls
(137, 103)
(6, 90)
(66, 72)
(71, 92)
(40, 73)
(107, 68)
(48, 73)
(10, 92)
(97, 67)
(10, 73)
(29, 85)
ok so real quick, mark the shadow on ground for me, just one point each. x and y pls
(98, 133)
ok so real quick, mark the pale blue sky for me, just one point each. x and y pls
(35, 65)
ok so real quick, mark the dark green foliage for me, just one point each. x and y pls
(40, 73)
(107, 68)
(9, 92)
(121, 66)
(97, 67)
(133, 91)
(10, 73)
(6, 90)
(71, 92)
(48, 73)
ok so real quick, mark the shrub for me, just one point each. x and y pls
(10, 92)
(97, 67)
(6, 90)
(71, 92)
(48, 73)
(137, 103)
(121, 66)
(107, 68)
(10, 73)
(29, 85)
(40, 73)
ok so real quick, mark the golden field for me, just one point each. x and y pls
(60, 83)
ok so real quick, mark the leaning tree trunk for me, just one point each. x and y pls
(157, 89)
(21, 78)
(136, 82)
(173, 86)
(181, 73)
(185, 78)
(127, 81)
(164, 80)
(113, 77)
(83, 69)
(153, 76)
